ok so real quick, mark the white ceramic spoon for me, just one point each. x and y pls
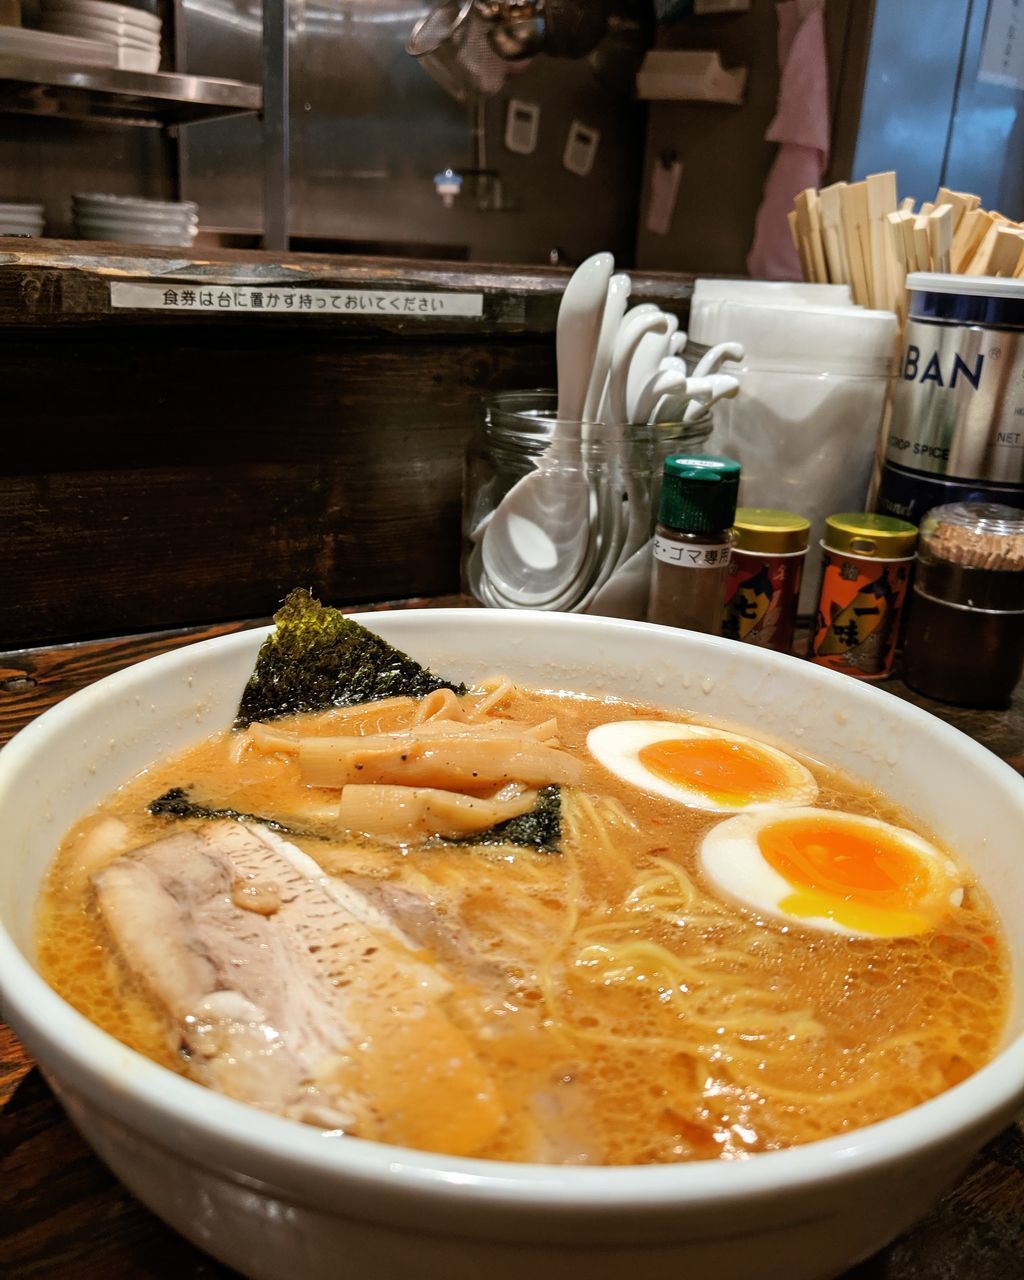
(669, 379)
(636, 324)
(653, 348)
(614, 309)
(714, 356)
(697, 399)
(534, 545)
(626, 592)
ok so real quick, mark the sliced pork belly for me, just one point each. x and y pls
(290, 990)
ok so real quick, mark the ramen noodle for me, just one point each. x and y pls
(331, 930)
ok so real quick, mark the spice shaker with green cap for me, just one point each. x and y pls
(693, 541)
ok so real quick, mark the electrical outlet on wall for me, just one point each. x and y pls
(522, 124)
(580, 148)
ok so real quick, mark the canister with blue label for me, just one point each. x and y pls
(956, 431)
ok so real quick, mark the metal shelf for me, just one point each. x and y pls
(32, 86)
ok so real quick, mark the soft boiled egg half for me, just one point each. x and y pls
(701, 767)
(835, 871)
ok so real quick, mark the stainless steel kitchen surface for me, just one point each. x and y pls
(370, 128)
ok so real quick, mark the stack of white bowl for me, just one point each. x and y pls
(132, 32)
(21, 219)
(131, 220)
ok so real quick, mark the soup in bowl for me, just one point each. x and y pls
(603, 1105)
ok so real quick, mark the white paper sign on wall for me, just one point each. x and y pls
(1002, 48)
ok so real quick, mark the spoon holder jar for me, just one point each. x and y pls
(520, 434)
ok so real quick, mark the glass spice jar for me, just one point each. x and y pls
(965, 632)
(866, 563)
(769, 548)
(693, 541)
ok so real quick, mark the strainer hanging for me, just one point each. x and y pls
(451, 43)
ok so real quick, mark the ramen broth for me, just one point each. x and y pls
(620, 1009)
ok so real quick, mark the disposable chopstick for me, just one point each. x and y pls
(960, 201)
(854, 204)
(897, 262)
(973, 228)
(830, 209)
(980, 263)
(922, 247)
(940, 236)
(808, 224)
(803, 252)
(1007, 254)
(881, 200)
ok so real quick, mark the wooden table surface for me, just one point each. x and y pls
(62, 1214)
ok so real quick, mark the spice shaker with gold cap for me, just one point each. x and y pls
(866, 564)
(768, 552)
(965, 633)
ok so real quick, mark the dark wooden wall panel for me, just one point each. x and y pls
(148, 483)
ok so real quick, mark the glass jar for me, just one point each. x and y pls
(618, 468)
(965, 635)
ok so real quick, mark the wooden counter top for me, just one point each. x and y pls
(63, 1216)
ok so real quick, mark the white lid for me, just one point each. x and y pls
(975, 286)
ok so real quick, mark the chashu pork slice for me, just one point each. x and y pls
(288, 989)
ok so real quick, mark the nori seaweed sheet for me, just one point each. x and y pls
(176, 804)
(539, 829)
(318, 658)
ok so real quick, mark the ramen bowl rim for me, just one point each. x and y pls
(121, 1082)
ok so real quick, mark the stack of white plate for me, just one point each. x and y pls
(133, 33)
(21, 219)
(135, 221)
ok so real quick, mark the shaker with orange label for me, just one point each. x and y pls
(866, 563)
(764, 577)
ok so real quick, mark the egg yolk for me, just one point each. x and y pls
(727, 772)
(861, 877)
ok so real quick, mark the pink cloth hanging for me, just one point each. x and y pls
(801, 128)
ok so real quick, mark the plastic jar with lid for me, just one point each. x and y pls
(768, 552)
(866, 564)
(965, 632)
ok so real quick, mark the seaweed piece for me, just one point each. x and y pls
(176, 804)
(317, 658)
(540, 829)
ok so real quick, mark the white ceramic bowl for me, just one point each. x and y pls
(274, 1198)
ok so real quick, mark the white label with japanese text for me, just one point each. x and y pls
(293, 300)
(692, 555)
(1002, 48)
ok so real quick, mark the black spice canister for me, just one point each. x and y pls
(965, 636)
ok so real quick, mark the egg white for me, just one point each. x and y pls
(732, 861)
(616, 744)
